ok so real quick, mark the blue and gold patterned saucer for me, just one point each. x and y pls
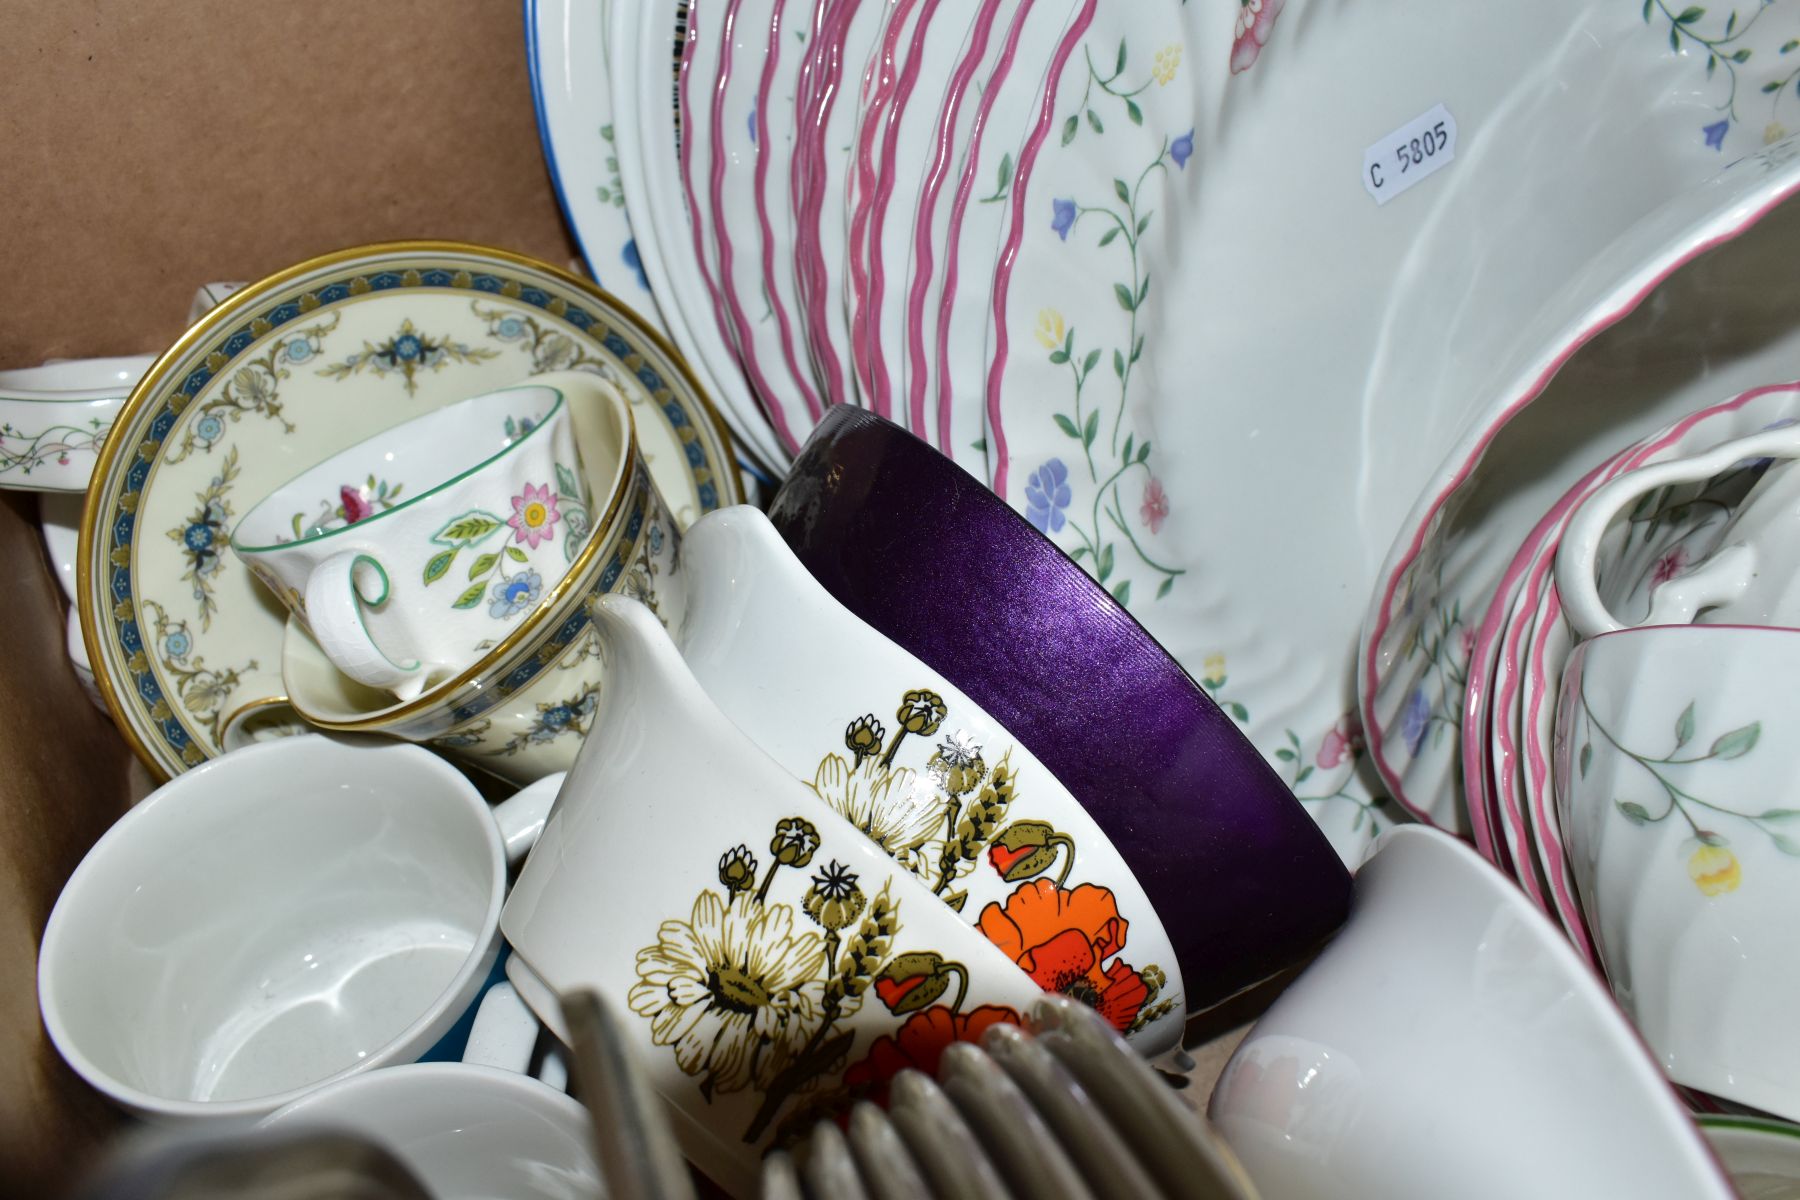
(284, 374)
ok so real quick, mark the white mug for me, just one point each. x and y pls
(410, 554)
(909, 759)
(471, 1130)
(276, 918)
(1748, 580)
(757, 945)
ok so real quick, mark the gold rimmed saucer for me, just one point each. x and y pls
(287, 372)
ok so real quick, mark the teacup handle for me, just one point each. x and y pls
(521, 816)
(335, 594)
(1725, 575)
(504, 1035)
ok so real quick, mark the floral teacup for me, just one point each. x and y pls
(1678, 789)
(521, 710)
(411, 554)
(1749, 580)
(772, 959)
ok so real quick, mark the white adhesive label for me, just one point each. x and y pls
(1412, 152)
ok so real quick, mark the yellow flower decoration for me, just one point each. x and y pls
(1168, 61)
(1715, 870)
(1050, 329)
(1213, 666)
(1773, 132)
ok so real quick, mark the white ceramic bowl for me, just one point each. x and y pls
(1450, 1043)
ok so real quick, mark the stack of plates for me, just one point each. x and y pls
(1188, 284)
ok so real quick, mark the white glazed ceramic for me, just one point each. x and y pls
(1745, 581)
(734, 50)
(410, 554)
(521, 710)
(287, 915)
(761, 942)
(1445, 967)
(1763, 1156)
(1756, 409)
(565, 45)
(1666, 530)
(472, 1130)
(1677, 790)
(1720, 323)
(53, 419)
(641, 39)
(302, 365)
(911, 761)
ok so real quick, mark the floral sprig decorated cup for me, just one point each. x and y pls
(521, 709)
(1750, 579)
(767, 957)
(1677, 768)
(921, 770)
(410, 554)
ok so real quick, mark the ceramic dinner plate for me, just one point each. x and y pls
(1720, 323)
(282, 375)
(565, 48)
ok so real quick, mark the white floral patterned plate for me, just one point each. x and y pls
(949, 325)
(1309, 351)
(1723, 319)
(746, 157)
(928, 173)
(642, 38)
(282, 375)
(1202, 504)
(565, 48)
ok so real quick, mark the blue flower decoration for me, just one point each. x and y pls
(1047, 495)
(753, 125)
(1063, 220)
(177, 644)
(510, 327)
(557, 717)
(1182, 149)
(199, 537)
(298, 350)
(209, 428)
(656, 539)
(516, 594)
(1715, 133)
(630, 255)
(407, 347)
(1415, 719)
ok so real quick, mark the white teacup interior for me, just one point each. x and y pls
(244, 940)
(394, 468)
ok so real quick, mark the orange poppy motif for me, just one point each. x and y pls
(919, 1044)
(1062, 938)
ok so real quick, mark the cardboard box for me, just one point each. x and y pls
(152, 146)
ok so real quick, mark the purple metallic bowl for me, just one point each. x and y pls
(925, 553)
